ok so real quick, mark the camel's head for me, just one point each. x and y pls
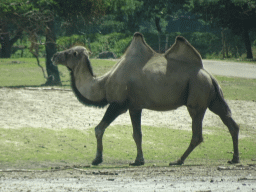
(71, 57)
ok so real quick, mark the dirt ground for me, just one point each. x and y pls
(58, 109)
(181, 178)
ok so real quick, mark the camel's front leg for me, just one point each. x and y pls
(113, 111)
(137, 135)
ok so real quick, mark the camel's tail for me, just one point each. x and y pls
(218, 104)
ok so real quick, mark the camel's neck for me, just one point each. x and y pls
(88, 89)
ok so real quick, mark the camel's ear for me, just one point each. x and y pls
(85, 60)
(87, 53)
(182, 50)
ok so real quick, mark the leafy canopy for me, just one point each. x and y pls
(234, 14)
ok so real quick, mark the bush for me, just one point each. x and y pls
(96, 43)
(24, 42)
(208, 44)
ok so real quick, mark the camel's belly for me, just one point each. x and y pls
(158, 99)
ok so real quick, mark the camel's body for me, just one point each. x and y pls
(145, 79)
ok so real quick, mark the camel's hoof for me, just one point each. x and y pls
(234, 161)
(97, 161)
(179, 162)
(137, 163)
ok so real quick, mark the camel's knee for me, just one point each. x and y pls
(196, 140)
(99, 132)
(137, 136)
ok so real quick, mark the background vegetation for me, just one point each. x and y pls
(217, 28)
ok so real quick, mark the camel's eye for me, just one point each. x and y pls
(75, 53)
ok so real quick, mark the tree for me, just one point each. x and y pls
(159, 9)
(127, 12)
(237, 15)
(10, 19)
(135, 12)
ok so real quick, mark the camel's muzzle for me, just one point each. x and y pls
(55, 59)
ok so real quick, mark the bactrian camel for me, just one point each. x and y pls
(144, 79)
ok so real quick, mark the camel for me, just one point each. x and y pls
(144, 79)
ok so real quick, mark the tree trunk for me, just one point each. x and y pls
(158, 28)
(6, 42)
(50, 47)
(247, 43)
(6, 46)
(223, 43)
(157, 22)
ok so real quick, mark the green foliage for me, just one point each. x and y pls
(67, 42)
(238, 16)
(10, 9)
(233, 14)
(87, 8)
(115, 42)
(206, 43)
(125, 7)
(109, 24)
(24, 42)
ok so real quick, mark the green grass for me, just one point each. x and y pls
(25, 72)
(24, 147)
(235, 88)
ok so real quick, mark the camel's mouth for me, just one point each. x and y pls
(54, 62)
(56, 59)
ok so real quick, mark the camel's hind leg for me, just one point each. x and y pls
(197, 116)
(137, 136)
(113, 111)
(220, 107)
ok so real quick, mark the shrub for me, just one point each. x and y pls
(208, 44)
